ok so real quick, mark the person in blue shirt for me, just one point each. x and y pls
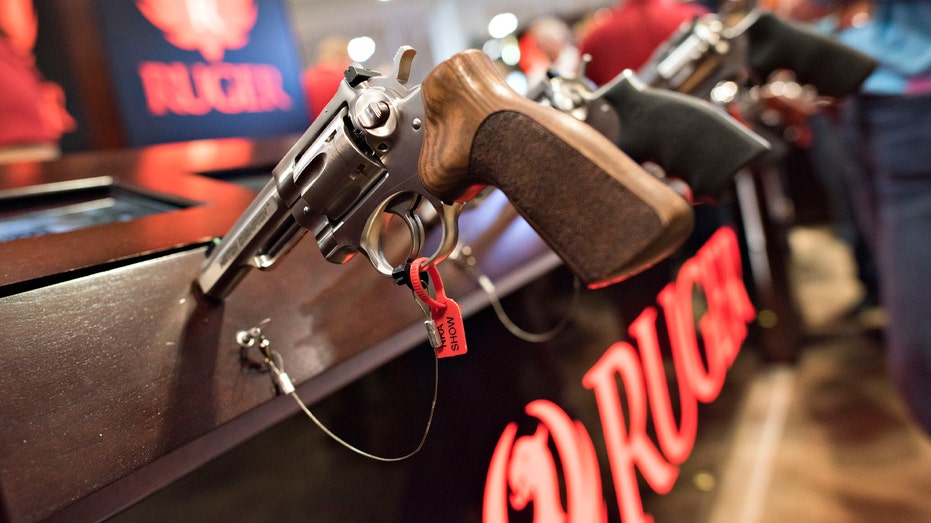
(887, 128)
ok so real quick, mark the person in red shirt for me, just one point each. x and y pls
(32, 110)
(321, 80)
(628, 35)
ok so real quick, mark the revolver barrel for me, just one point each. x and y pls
(355, 162)
(264, 232)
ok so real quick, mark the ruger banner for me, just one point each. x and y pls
(193, 69)
(523, 470)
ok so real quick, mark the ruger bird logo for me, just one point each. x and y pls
(208, 26)
(523, 472)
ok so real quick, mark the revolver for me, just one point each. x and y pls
(384, 146)
(687, 137)
(747, 46)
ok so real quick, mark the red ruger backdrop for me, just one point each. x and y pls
(192, 69)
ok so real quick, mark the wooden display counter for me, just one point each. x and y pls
(118, 377)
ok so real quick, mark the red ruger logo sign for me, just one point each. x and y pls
(210, 27)
(524, 471)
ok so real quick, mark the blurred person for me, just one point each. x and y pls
(548, 46)
(32, 110)
(827, 151)
(627, 36)
(590, 20)
(321, 80)
(887, 133)
(828, 159)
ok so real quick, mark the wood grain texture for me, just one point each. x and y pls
(118, 380)
(165, 171)
(598, 209)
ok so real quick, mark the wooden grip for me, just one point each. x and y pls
(598, 210)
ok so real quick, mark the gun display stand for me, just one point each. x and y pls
(118, 377)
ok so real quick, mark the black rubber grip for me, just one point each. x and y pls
(688, 137)
(817, 59)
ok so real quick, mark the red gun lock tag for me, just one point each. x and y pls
(446, 314)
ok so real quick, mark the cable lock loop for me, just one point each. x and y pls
(255, 338)
(462, 257)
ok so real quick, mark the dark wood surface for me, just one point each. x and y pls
(117, 381)
(168, 171)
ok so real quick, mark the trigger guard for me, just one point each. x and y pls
(372, 243)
